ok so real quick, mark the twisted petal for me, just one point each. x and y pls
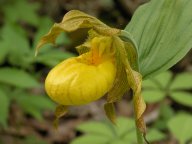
(134, 82)
(72, 21)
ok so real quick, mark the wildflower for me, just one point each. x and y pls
(107, 64)
(85, 78)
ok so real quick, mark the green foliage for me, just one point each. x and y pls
(177, 88)
(15, 46)
(165, 114)
(155, 89)
(95, 128)
(164, 84)
(103, 132)
(155, 135)
(18, 52)
(34, 104)
(52, 57)
(152, 96)
(4, 110)
(183, 98)
(180, 126)
(18, 80)
(162, 31)
(33, 139)
(21, 11)
(182, 81)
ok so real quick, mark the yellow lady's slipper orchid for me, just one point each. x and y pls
(85, 78)
(108, 64)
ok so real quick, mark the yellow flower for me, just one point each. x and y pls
(85, 78)
(108, 64)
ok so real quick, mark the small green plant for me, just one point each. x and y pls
(18, 76)
(177, 87)
(182, 132)
(103, 132)
(165, 84)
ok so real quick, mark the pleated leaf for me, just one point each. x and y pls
(163, 31)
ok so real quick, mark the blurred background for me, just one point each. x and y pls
(26, 113)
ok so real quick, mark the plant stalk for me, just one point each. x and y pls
(138, 133)
(139, 136)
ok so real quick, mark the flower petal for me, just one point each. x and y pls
(134, 81)
(72, 21)
(60, 111)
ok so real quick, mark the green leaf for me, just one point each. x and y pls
(4, 110)
(163, 79)
(130, 137)
(17, 45)
(3, 51)
(53, 57)
(124, 126)
(22, 10)
(97, 128)
(184, 98)
(90, 139)
(160, 81)
(181, 127)
(165, 113)
(182, 81)
(118, 141)
(44, 25)
(34, 104)
(155, 135)
(131, 49)
(163, 31)
(16, 35)
(149, 84)
(152, 96)
(123, 131)
(33, 139)
(17, 78)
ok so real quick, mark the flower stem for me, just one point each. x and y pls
(139, 137)
(138, 132)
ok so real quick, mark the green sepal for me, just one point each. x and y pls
(110, 112)
(131, 49)
(120, 85)
(72, 21)
(134, 81)
(60, 111)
